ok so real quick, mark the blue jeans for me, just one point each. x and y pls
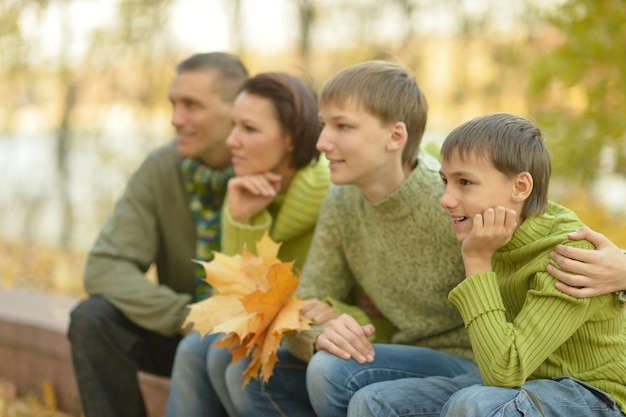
(542, 397)
(332, 381)
(462, 396)
(192, 393)
(283, 395)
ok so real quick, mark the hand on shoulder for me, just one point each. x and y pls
(587, 273)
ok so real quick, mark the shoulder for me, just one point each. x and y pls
(163, 154)
(315, 176)
(161, 160)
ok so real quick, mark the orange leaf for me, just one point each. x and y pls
(254, 306)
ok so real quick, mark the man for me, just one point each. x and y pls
(167, 216)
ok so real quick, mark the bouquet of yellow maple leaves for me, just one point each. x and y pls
(253, 305)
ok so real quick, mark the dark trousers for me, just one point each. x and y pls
(107, 352)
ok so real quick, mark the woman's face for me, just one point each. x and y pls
(257, 141)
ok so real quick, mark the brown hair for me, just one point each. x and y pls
(387, 91)
(513, 144)
(296, 107)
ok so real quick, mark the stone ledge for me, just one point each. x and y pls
(34, 348)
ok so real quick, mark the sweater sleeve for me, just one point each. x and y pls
(507, 352)
(235, 235)
(124, 250)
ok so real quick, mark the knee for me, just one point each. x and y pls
(217, 362)
(86, 318)
(321, 370)
(234, 379)
(470, 401)
(365, 403)
(191, 352)
(244, 398)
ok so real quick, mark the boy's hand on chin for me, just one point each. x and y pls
(490, 231)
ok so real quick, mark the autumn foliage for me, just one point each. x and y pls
(253, 305)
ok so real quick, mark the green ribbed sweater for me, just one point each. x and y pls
(523, 328)
(401, 251)
(290, 219)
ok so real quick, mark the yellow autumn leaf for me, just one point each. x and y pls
(254, 306)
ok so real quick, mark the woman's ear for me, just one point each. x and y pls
(523, 186)
(398, 137)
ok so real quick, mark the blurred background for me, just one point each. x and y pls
(83, 87)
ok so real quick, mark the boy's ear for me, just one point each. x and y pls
(398, 137)
(523, 186)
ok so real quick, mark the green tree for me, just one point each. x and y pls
(577, 88)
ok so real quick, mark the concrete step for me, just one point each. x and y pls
(34, 348)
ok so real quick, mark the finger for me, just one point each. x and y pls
(350, 337)
(321, 313)
(567, 278)
(510, 219)
(597, 239)
(257, 185)
(576, 292)
(309, 304)
(579, 234)
(570, 254)
(489, 217)
(274, 179)
(323, 343)
(477, 223)
(499, 216)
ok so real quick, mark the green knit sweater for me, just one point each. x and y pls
(523, 328)
(401, 251)
(290, 219)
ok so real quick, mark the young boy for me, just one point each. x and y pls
(540, 352)
(380, 228)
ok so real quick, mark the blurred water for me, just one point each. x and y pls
(30, 192)
(30, 203)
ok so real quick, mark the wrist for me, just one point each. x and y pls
(475, 265)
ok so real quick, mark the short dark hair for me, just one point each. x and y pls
(295, 103)
(513, 144)
(232, 72)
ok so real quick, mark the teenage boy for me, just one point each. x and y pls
(380, 228)
(540, 352)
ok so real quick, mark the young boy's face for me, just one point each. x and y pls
(471, 186)
(353, 140)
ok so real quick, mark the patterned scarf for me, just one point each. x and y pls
(206, 188)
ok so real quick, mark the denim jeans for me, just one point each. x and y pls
(191, 392)
(283, 395)
(332, 381)
(462, 396)
(542, 398)
(217, 362)
(107, 351)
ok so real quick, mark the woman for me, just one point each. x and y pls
(278, 187)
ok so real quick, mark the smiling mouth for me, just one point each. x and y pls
(459, 219)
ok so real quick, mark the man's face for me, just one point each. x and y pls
(201, 118)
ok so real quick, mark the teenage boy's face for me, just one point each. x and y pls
(472, 185)
(353, 140)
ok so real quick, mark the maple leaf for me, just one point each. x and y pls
(254, 306)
